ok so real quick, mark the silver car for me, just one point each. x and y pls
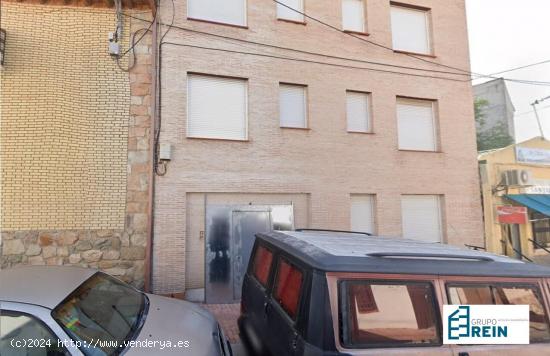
(55, 311)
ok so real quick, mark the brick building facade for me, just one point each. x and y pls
(263, 106)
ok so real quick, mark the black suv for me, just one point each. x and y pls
(329, 293)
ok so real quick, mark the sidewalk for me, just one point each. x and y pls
(227, 315)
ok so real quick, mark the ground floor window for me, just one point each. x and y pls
(541, 229)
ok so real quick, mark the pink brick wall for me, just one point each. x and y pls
(325, 162)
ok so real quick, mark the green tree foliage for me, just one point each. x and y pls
(495, 137)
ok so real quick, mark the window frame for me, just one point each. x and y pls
(303, 22)
(305, 87)
(246, 111)
(273, 288)
(370, 112)
(344, 311)
(374, 204)
(429, 28)
(245, 26)
(441, 212)
(269, 281)
(435, 123)
(535, 285)
(365, 31)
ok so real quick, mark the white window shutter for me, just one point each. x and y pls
(283, 12)
(216, 107)
(362, 213)
(292, 106)
(416, 125)
(421, 217)
(358, 112)
(231, 12)
(353, 15)
(410, 30)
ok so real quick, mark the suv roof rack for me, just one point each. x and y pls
(327, 230)
(431, 255)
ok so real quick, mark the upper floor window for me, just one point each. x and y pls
(293, 106)
(411, 29)
(353, 15)
(358, 111)
(287, 12)
(216, 107)
(231, 12)
(416, 125)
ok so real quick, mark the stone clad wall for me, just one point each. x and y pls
(120, 254)
(75, 134)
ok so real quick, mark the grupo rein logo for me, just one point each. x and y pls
(486, 324)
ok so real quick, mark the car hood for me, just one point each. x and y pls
(172, 321)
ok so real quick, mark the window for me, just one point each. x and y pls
(288, 287)
(388, 314)
(353, 15)
(216, 107)
(293, 106)
(362, 213)
(410, 29)
(506, 294)
(541, 229)
(262, 264)
(231, 12)
(358, 111)
(286, 12)
(102, 308)
(21, 328)
(421, 215)
(416, 125)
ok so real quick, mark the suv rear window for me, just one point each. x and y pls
(506, 294)
(288, 287)
(262, 264)
(386, 314)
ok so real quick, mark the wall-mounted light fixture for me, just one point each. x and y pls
(2, 46)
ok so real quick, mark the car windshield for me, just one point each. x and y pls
(102, 314)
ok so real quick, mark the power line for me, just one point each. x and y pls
(302, 51)
(522, 67)
(407, 54)
(326, 55)
(308, 61)
(532, 111)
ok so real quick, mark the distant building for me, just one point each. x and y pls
(498, 113)
(512, 177)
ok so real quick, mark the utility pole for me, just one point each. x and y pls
(534, 105)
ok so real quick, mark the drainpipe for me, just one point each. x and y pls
(154, 118)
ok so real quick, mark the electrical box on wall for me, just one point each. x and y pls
(114, 46)
(165, 152)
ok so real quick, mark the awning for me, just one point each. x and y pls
(538, 202)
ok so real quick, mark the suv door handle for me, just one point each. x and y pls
(266, 307)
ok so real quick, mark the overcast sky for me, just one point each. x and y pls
(511, 33)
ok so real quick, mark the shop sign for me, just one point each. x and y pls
(512, 214)
(533, 155)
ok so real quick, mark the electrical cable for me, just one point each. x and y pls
(309, 61)
(338, 57)
(406, 54)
